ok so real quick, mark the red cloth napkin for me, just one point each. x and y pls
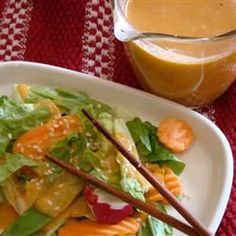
(77, 34)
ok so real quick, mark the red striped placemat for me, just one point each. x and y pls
(77, 34)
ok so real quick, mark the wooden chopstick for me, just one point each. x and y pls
(200, 228)
(148, 208)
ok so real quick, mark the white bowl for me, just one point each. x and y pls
(207, 178)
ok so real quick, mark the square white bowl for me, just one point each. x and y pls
(207, 178)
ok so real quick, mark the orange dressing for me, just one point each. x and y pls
(198, 18)
(191, 74)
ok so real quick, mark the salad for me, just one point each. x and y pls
(38, 198)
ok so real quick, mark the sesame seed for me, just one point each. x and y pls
(139, 220)
(49, 202)
(38, 187)
(22, 149)
(96, 144)
(64, 132)
(60, 122)
(60, 185)
(55, 125)
(67, 124)
(51, 134)
(38, 148)
(41, 181)
(88, 135)
(56, 193)
(31, 156)
(18, 145)
(72, 121)
(94, 148)
(48, 172)
(57, 208)
(39, 157)
(51, 129)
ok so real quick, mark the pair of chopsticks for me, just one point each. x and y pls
(196, 228)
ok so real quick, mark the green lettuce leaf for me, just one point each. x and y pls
(131, 180)
(149, 147)
(70, 101)
(89, 151)
(16, 118)
(155, 227)
(72, 149)
(78, 150)
(12, 163)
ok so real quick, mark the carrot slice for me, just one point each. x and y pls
(167, 177)
(128, 226)
(175, 134)
(36, 142)
(172, 183)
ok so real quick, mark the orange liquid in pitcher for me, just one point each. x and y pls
(191, 74)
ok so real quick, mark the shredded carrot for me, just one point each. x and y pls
(175, 134)
(36, 142)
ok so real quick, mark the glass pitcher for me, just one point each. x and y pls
(192, 71)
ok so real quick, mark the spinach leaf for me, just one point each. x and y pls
(155, 227)
(149, 147)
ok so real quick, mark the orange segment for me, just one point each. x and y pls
(175, 134)
(23, 90)
(36, 142)
(7, 216)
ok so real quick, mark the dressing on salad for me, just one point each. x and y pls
(38, 198)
